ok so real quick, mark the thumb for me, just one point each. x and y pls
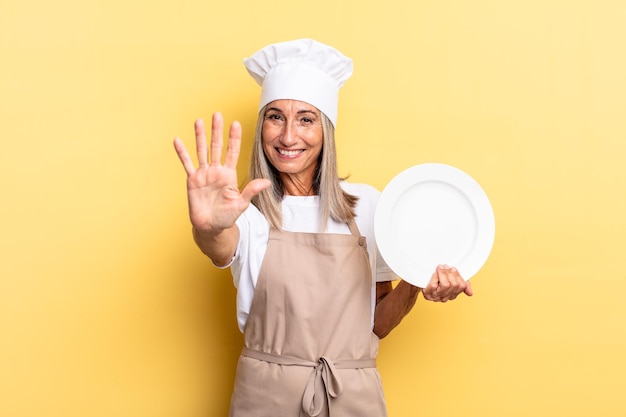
(468, 290)
(254, 187)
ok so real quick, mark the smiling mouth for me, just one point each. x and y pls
(288, 152)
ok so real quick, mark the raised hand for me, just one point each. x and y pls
(213, 195)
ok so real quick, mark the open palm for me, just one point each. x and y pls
(215, 201)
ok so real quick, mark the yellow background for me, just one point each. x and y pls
(108, 309)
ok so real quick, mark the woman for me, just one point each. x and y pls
(314, 298)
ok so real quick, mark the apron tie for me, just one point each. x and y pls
(323, 383)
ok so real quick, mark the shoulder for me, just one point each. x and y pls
(365, 209)
(367, 194)
(360, 190)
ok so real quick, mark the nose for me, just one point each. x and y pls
(289, 136)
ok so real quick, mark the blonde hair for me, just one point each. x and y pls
(335, 203)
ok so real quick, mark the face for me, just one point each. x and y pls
(292, 138)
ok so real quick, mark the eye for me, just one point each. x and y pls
(274, 119)
(273, 116)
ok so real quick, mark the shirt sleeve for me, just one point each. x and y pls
(383, 272)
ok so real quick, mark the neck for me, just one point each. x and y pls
(297, 185)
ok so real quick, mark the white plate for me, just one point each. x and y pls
(433, 214)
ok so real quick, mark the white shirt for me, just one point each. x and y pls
(300, 214)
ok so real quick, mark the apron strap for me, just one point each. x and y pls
(324, 381)
(354, 229)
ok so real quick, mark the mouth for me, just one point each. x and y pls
(289, 153)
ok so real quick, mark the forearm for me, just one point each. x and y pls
(220, 247)
(392, 306)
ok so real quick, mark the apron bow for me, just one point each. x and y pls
(323, 383)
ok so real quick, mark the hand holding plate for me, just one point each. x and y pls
(446, 284)
(431, 213)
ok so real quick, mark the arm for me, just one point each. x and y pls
(393, 304)
(213, 195)
(220, 246)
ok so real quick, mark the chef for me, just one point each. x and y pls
(314, 298)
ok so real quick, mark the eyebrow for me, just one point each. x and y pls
(298, 112)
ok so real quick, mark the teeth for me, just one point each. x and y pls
(289, 153)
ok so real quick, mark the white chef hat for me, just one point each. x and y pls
(303, 70)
